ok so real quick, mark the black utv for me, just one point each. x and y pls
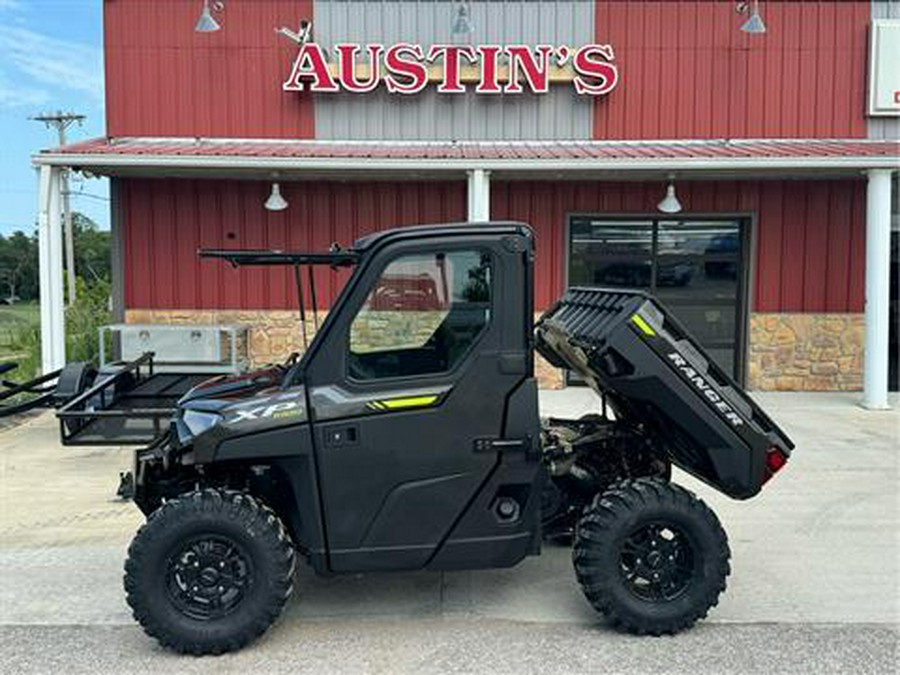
(408, 436)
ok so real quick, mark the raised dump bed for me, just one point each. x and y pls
(628, 348)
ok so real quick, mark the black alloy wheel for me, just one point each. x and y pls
(209, 572)
(657, 562)
(208, 577)
(650, 556)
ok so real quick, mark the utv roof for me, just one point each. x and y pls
(484, 227)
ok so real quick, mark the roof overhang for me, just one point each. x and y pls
(180, 156)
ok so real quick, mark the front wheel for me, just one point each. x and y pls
(650, 556)
(209, 571)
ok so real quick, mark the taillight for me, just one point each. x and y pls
(775, 460)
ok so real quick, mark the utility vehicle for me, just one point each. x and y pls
(408, 436)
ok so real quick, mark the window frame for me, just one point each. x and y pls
(464, 357)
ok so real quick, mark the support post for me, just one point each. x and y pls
(878, 256)
(479, 193)
(50, 257)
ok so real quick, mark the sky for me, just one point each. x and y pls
(51, 59)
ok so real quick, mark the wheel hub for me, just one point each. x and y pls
(657, 562)
(208, 576)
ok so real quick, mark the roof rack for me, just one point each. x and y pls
(336, 257)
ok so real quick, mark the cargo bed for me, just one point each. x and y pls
(629, 349)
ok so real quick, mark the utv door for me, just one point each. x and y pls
(424, 408)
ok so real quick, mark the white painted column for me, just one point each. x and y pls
(878, 258)
(479, 191)
(50, 257)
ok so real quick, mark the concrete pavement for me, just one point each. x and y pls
(814, 586)
(448, 645)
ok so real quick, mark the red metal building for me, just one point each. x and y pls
(780, 147)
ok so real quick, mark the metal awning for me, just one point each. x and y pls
(478, 162)
(116, 155)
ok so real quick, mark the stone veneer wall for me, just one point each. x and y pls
(548, 377)
(812, 352)
(819, 352)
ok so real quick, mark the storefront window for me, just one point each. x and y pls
(693, 266)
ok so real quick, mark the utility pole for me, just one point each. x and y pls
(62, 121)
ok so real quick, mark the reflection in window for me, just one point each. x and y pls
(611, 253)
(422, 316)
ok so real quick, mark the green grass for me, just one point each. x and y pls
(20, 338)
(27, 312)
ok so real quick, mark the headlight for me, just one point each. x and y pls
(198, 421)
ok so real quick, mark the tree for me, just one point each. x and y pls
(19, 266)
(19, 259)
(92, 249)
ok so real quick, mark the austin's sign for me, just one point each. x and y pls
(406, 68)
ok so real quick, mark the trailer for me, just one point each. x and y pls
(129, 396)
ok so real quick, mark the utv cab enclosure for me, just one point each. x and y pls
(408, 436)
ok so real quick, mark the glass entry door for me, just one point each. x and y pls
(694, 266)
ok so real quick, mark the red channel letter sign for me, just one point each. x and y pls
(406, 68)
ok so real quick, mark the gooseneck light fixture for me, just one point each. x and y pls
(206, 23)
(303, 34)
(462, 22)
(754, 23)
(276, 202)
(670, 203)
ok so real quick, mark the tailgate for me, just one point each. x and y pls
(629, 348)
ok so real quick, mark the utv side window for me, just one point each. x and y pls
(422, 315)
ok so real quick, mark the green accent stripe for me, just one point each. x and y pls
(643, 325)
(404, 402)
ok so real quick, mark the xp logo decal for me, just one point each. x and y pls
(276, 410)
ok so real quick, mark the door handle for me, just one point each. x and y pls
(498, 444)
(526, 445)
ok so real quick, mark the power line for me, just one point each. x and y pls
(62, 121)
(91, 196)
(73, 193)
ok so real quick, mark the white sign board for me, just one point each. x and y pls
(884, 68)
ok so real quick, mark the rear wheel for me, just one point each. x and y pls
(651, 556)
(209, 571)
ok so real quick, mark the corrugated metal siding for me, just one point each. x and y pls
(561, 113)
(687, 71)
(164, 79)
(885, 127)
(810, 234)
(166, 221)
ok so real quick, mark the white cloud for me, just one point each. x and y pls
(15, 96)
(45, 63)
